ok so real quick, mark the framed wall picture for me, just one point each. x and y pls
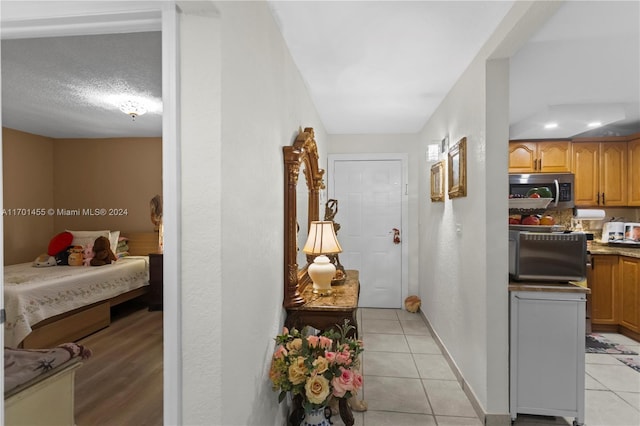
(444, 144)
(437, 181)
(457, 168)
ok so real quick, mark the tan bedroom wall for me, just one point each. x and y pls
(108, 182)
(79, 179)
(27, 171)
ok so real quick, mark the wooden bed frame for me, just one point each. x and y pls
(78, 323)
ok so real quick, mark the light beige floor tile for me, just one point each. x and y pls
(415, 328)
(385, 342)
(396, 394)
(381, 326)
(615, 377)
(457, 421)
(591, 383)
(375, 313)
(620, 338)
(448, 399)
(408, 316)
(633, 398)
(423, 345)
(358, 419)
(389, 364)
(433, 366)
(605, 408)
(600, 359)
(387, 418)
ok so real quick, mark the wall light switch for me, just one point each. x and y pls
(458, 228)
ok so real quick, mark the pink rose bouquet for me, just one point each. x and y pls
(316, 368)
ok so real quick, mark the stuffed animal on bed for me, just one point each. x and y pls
(75, 256)
(102, 252)
(87, 254)
(44, 260)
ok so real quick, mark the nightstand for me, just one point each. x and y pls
(154, 297)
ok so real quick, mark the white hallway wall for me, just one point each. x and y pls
(242, 100)
(264, 103)
(464, 275)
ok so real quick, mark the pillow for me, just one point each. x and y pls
(113, 240)
(59, 243)
(82, 238)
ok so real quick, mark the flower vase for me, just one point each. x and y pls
(317, 417)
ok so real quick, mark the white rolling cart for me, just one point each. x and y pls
(547, 350)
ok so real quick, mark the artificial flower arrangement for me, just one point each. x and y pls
(316, 367)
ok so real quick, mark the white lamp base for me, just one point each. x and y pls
(322, 272)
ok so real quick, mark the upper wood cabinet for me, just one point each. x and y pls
(633, 159)
(600, 170)
(539, 156)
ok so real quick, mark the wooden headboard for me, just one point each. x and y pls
(142, 243)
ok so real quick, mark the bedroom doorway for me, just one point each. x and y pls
(84, 18)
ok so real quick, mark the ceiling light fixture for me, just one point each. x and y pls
(594, 124)
(133, 108)
(551, 125)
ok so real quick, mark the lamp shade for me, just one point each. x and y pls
(322, 239)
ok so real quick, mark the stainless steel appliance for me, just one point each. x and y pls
(561, 185)
(547, 256)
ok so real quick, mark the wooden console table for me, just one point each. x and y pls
(324, 313)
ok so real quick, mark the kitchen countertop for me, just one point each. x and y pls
(600, 248)
(553, 287)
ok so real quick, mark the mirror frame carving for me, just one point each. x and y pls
(304, 151)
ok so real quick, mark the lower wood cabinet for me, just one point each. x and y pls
(615, 294)
(603, 281)
(630, 293)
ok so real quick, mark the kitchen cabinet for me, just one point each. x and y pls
(600, 170)
(603, 282)
(633, 159)
(539, 157)
(547, 355)
(630, 293)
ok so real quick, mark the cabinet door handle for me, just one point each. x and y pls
(598, 198)
(603, 202)
(540, 165)
(551, 300)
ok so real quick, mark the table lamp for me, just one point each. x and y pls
(322, 240)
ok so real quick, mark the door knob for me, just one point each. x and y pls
(396, 236)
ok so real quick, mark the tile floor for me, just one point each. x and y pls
(407, 380)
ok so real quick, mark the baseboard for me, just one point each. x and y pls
(488, 419)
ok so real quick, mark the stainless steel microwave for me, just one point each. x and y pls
(547, 256)
(562, 186)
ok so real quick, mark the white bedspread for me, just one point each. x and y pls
(34, 294)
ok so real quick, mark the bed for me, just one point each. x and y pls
(52, 305)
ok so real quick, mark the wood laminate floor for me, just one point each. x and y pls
(121, 384)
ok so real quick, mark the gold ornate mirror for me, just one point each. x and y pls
(301, 156)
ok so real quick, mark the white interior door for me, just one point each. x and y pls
(369, 194)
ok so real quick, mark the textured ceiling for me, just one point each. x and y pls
(72, 87)
(371, 67)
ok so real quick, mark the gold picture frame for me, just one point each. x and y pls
(437, 181)
(457, 168)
